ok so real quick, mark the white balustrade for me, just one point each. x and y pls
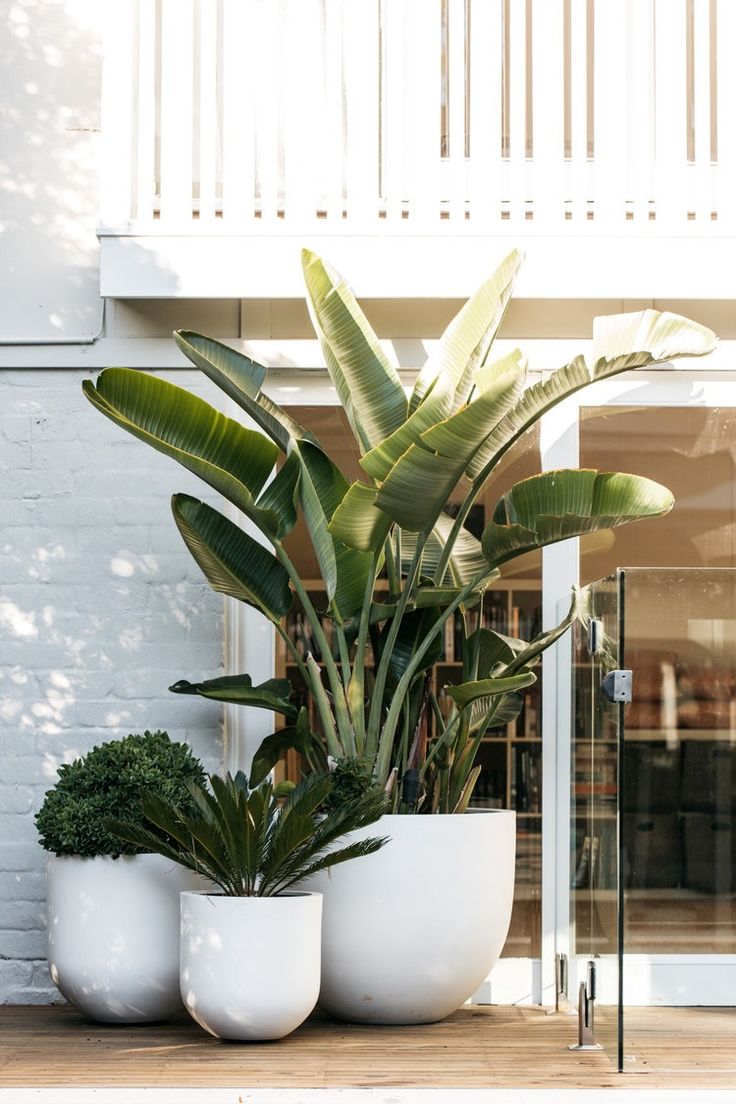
(419, 117)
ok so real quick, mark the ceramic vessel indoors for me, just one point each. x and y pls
(113, 934)
(250, 966)
(410, 932)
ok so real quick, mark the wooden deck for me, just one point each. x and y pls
(494, 1047)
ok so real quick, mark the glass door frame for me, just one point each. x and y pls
(660, 977)
(529, 980)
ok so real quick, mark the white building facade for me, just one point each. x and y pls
(162, 164)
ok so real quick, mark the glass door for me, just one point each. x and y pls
(594, 830)
(677, 827)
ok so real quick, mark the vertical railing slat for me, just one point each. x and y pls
(702, 198)
(456, 114)
(333, 119)
(362, 106)
(268, 76)
(485, 112)
(640, 107)
(423, 138)
(238, 155)
(145, 185)
(670, 68)
(207, 129)
(579, 110)
(726, 114)
(177, 89)
(548, 114)
(609, 111)
(394, 105)
(303, 106)
(117, 114)
(516, 61)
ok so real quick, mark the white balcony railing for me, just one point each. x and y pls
(420, 118)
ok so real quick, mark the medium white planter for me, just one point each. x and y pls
(113, 934)
(250, 966)
(410, 932)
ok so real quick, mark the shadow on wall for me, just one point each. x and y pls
(50, 55)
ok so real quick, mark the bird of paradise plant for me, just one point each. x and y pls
(464, 413)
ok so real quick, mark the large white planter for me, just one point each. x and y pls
(410, 932)
(250, 966)
(113, 934)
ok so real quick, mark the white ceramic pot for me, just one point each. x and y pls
(250, 966)
(410, 932)
(113, 934)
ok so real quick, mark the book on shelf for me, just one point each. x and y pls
(526, 780)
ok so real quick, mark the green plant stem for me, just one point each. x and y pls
(356, 689)
(344, 653)
(293, 650)
(342, 716)
(374, 720)
(334, 745)
(385, 748)
(393, 568)
(439, 743)
(453, 535)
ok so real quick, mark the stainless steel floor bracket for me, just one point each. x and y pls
(586, 1014)
(562, 998)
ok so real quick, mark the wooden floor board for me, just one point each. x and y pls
(495, 1047)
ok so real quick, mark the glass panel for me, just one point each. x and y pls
(594, 864)
(678, 856)
(679, 796)
(689, 450)
(510, 756)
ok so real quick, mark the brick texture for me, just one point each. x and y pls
(101, 609)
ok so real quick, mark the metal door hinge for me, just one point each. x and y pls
(616, 686)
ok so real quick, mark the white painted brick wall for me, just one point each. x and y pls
(101, 609)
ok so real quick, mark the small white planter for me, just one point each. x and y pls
(410, 932)
(113, 934)
(250, 966)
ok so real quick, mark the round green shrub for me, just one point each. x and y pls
(108, 782)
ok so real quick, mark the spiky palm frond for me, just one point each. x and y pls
(250, 841)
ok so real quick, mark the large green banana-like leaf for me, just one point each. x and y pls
(321, 484)
(234, 460)
(353, 569)
(498, 387)
(344, 568)
(358, 522)
(560, 504)
(426, 597)
(528, 654)
(232, 562)
(322, 487)
(412, 631)
(470, 334)
(620, 342)
(298, 737)
(281, 495)
(467, 561)
(417, 488)
(367, 384)
(462, 348)
(506, 709)
(423, 479)
(241, 379)
(468, 692)
(239, 690)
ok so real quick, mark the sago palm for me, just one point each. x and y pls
(464, 413)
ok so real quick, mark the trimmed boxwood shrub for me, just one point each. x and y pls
(108, 782)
